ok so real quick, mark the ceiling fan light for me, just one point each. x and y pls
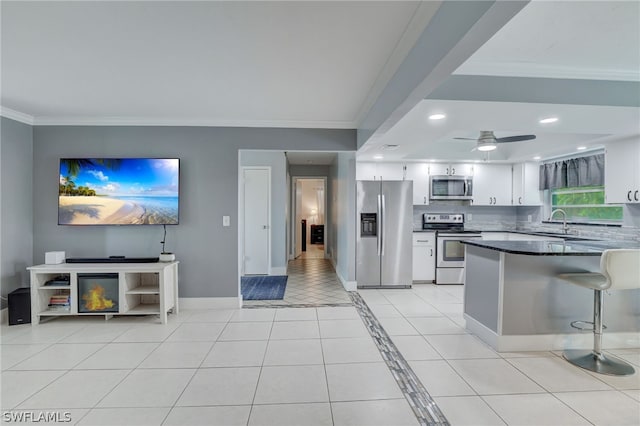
(487, 146)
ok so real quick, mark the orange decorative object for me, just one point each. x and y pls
(95, 300)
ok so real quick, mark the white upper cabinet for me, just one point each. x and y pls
(419, 174)
(450, 169)
(526, 179)
(492, 185)
(379, 171)
(622, 172)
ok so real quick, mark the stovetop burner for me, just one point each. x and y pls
(446, 223)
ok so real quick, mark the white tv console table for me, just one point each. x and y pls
(143, 288)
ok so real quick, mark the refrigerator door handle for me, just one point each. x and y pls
(384, 224)
(378, 226)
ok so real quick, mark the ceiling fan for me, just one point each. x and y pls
(488, 141)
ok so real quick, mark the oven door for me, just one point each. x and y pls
(450, 251)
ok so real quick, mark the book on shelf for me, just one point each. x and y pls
(62, 301)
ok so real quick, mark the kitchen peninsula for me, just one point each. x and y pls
(514, 302)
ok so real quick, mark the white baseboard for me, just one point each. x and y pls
(348, 285)
(209, 302)
(549, 342)
(4, 316)
(279, 270)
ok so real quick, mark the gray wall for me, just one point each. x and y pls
(16, 210)
(208, 252)
(343, 215)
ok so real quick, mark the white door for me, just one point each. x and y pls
(257, 221)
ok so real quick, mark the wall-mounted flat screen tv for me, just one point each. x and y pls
(118, 191)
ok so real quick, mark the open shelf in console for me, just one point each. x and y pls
(141, 293)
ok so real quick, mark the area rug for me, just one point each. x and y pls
(263, 287)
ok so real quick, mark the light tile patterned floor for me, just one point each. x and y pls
(298, 366)
(311, 282)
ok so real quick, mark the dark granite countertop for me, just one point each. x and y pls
(553, 248)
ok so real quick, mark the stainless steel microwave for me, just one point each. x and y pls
(451, 187)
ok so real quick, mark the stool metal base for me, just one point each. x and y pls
(598, 364)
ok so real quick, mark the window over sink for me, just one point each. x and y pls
(585, 204)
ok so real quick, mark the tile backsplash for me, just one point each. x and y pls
(508, 218)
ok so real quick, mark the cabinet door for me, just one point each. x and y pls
(622, 172)
(492, 185)
(439, 169)
(419, 174)
(391, 171)
(367, 171)
(424, 256)
(462, 169)
(526, 178)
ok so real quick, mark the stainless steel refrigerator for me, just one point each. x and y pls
(385, 227)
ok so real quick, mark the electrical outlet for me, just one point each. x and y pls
(226, 221)
(529, 218)
(469, 217)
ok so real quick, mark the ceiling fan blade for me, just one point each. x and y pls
(518, 138)
(466, 139)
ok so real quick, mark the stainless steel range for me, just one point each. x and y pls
(450, 231)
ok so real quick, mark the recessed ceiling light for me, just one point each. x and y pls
(437, 116)
(582, 148)
(378, 157)
(389, 147)
(548, 120)
(537, 157)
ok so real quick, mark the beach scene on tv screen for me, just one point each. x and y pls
(129, 191)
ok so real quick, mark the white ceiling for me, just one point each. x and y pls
(278, 64)
(569, 40)
(305, 158)
(311, 64)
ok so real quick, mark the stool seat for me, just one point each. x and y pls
(619, 270)
(590, 280)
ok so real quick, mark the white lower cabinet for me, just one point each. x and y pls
(424, 256)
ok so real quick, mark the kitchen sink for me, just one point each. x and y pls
(566, 237)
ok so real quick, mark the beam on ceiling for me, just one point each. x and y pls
(454, 33)
(539, 90)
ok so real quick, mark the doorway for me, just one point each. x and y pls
(310, 218)
(257, 217)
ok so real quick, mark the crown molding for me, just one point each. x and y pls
(519, 69)
(145, 121)
(17, 115)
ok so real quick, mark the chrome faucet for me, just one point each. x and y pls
(565, 227)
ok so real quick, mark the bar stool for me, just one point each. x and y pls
(619, 270)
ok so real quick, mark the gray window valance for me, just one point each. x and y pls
(581, 171)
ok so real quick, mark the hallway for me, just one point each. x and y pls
(311, 282)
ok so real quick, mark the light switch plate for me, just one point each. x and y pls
(226, 221)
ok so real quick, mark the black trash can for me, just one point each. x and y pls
(19, 301)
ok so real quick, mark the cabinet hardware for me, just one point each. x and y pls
(453, 171)
(629, 196)
(431, 252)
(635, 196)
(447, 170)
(519, 200)
(425, 200)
